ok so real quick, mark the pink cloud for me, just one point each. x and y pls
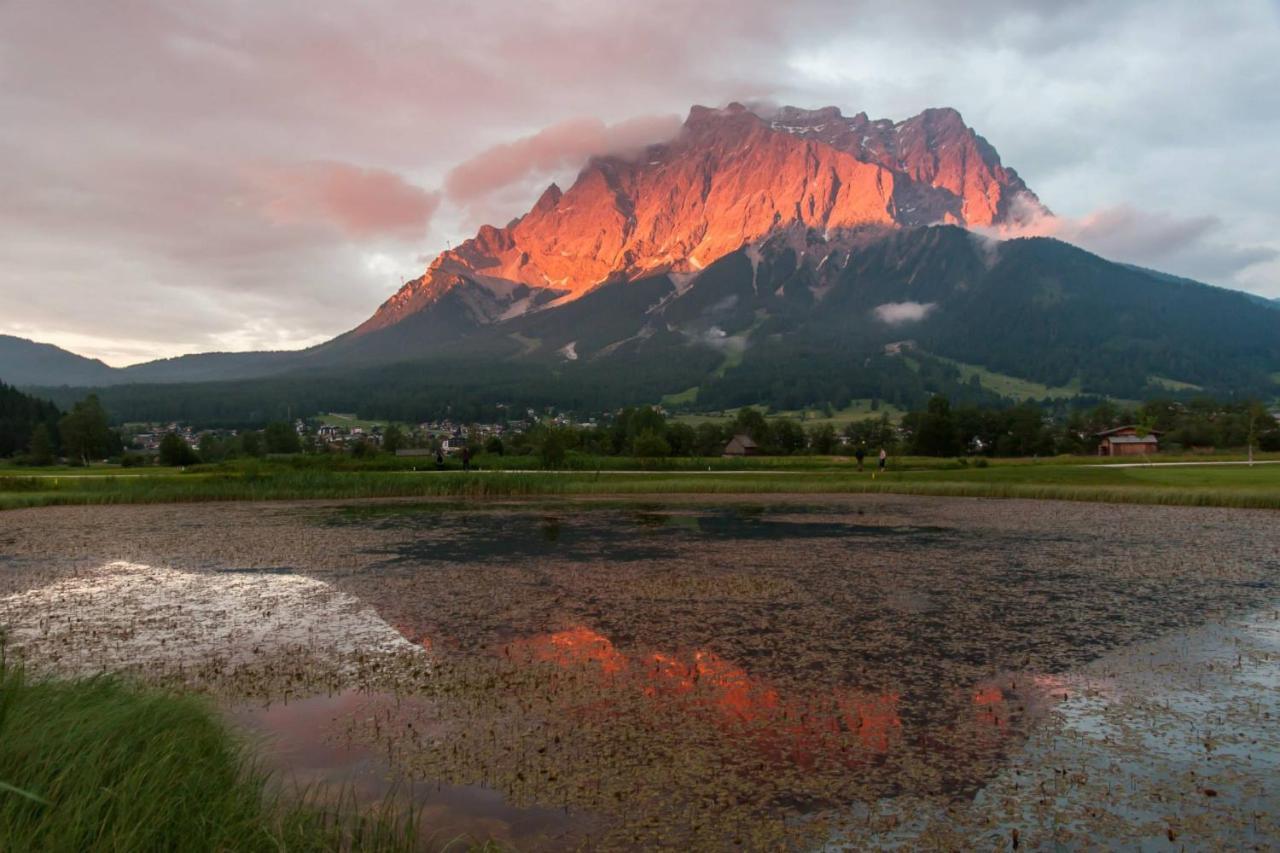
(359, 202)
(561, 146)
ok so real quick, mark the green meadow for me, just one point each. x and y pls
(857, 410)
(1060, 478)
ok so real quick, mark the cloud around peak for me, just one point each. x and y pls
(565, 145)
(1193, 245)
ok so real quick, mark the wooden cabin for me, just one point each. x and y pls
(741, 445)
(1125, 441)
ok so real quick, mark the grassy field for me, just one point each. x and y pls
(684, 398)
(100, 765)
(1011, 386)
(1071, 478)
(858, 410)
(349, 421)
(1173, 384)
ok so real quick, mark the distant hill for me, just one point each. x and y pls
(27, 363)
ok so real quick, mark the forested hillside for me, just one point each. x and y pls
(21, 416)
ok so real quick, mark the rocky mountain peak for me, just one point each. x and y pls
(730, 179)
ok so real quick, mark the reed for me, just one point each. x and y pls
(100, 764)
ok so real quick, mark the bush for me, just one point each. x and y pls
(175, 451)
(552, 449)
(40, 450)
(281, 437)
(650, 445)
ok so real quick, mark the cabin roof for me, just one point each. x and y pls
(1120, 429)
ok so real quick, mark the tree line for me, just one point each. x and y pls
(937, 429)
(36, 432)
(1027, 429)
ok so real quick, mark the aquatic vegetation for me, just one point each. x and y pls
(754, 673)
(100, 764)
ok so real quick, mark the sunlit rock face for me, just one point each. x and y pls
(731, 178)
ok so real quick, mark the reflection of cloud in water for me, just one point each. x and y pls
(1166, 744)
(305, 744)
(128, 616)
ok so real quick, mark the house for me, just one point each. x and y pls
(741, 445)
(1125, 441)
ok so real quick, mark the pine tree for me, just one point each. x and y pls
(40, 450)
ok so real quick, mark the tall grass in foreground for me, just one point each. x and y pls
(99, 764)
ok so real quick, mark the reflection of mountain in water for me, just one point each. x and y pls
(643, 737)
(790, 725)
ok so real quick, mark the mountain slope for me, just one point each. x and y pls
(25, 363)
(1037, 309)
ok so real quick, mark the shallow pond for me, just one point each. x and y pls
(795, 673)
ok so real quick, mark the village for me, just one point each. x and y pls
(346, 433)
(940, 430)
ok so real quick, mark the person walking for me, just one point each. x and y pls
(884, 459)
(466, 458)
(439, 459)
(860, 454)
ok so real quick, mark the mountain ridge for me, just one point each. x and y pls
(25, 362)
(751, 247)
(729, 178)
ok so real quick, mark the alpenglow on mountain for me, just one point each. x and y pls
(730, 178)
(789, 258)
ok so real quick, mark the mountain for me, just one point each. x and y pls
(26, 363)
(795, 323)
(729, 179)
(1262, 300)
(793, 257)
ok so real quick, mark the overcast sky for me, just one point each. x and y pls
(187, 176)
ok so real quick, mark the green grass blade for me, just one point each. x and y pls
(5, 786)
